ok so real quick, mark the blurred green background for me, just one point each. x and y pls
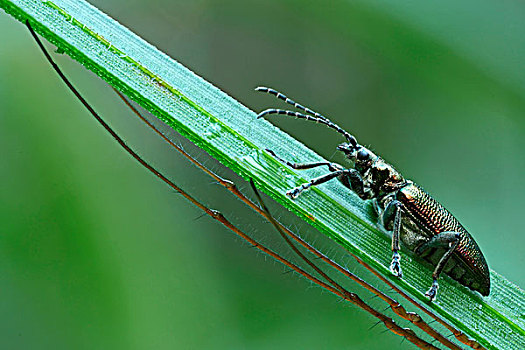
(97, 253)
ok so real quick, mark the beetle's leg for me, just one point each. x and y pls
(447, 239)
(350, 177)
(353, 180)
(393, 213)
(331, 166)
(441, 240)
(293, 193)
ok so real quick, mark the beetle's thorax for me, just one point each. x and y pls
(379, 177)
(383, 178)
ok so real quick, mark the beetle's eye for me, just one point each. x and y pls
(362, 154)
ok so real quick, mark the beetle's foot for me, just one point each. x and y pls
(395, 266)
(432, 292)
(294, 192)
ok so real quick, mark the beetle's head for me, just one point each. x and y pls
(361, 156)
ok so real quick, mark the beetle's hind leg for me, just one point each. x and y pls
(393, 213)
(447, 239)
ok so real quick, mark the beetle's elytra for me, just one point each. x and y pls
(415, 218)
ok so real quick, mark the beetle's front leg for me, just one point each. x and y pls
(447, 239)
(348, 177)
(393, 213)
(303, 166)
(295, 192)
(353, 180)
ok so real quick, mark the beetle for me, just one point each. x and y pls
(415, 218)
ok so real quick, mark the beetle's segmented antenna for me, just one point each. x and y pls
(350, 138)
(311, 114)
(285, 98)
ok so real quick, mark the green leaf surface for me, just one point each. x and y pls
(229, 131)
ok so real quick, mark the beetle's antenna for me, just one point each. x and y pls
(318, 117)
(285, 98)
(349, 137)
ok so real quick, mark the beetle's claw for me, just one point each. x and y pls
(432, 292)
(395, 266)
(293, 193)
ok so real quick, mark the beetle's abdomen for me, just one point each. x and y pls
(432, 217)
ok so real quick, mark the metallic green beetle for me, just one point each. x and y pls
(414, 217)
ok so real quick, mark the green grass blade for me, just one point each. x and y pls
(228, 131)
